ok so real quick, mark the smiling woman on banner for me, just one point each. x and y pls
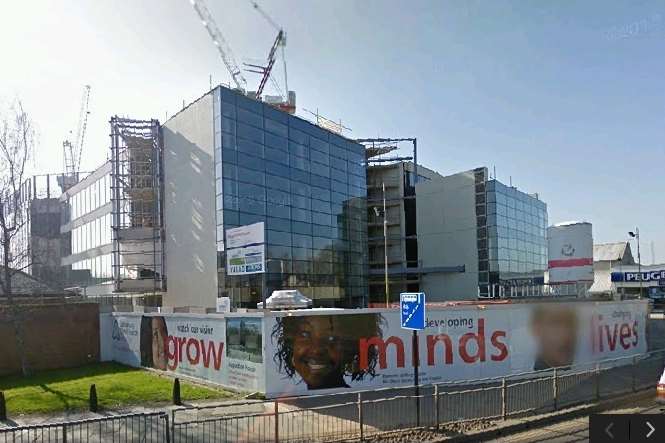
(324, 349)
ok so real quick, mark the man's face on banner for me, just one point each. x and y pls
(555, 330)
(317, 351)
(159, 336)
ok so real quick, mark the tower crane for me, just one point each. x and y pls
(73, 150)
(220, 42)
(286, 100)
(287, 97)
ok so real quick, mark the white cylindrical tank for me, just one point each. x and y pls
(570, 252)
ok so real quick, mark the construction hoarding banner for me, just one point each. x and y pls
(329, 352)
(322, 351)
(213, 348)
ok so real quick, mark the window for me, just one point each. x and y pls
(301, 202)
(250, 161)
(320, 193)
(251, 176)
(299, 162)
(278, 237)
(276, 128)
(319, 169)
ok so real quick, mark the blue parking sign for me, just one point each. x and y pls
(412, 308)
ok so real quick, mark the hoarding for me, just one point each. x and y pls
(125, 346)
(192, 345)
(320, 352)
(245, 250)
(570, 253)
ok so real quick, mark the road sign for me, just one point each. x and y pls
(412, 308)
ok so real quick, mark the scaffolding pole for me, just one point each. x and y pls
(137, 219)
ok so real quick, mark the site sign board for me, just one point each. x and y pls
(245, 250)
(412, 308)
(241, 236)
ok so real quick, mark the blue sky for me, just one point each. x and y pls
(565, 97)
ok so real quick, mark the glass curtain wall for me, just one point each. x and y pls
(90, 237)
(309, 187)
(517, 234)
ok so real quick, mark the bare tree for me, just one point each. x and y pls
(17, 140)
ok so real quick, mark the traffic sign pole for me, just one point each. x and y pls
(416, 364)
(412, 312)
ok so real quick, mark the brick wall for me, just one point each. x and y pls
(56, 336)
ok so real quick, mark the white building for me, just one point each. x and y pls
(616, 273)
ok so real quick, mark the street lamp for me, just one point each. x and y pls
(378, 213)
(636, 234)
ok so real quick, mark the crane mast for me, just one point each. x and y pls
(82, 126)
(73, 150)
(220, 42)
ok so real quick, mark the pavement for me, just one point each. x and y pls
(577, 429)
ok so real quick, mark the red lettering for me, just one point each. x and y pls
(216, 354)
(381, 345)
(172, 356)
(432, 340)
(480, 341)
(181, 344)
(193, 343)
(500, 346)
(624, 333)
(611, 338)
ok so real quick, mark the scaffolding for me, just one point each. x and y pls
(392, 173)
(136, 196)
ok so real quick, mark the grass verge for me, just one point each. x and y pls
(117, 386)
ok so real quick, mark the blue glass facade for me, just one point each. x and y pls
(309, 187)
(516, 234)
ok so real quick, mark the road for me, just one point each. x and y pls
(577, 430)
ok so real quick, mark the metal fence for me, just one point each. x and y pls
(149, 428)
(333, 417)
(363, 414)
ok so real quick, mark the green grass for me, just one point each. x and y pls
(117, 386)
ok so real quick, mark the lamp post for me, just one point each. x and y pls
(378, 212)
(636, 235)
(385, 243)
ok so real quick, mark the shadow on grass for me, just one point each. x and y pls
(65, 398)
(45, 378)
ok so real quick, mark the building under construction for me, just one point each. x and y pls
(136, 199)
(392, 175)
(38, 246)
(114, 217)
